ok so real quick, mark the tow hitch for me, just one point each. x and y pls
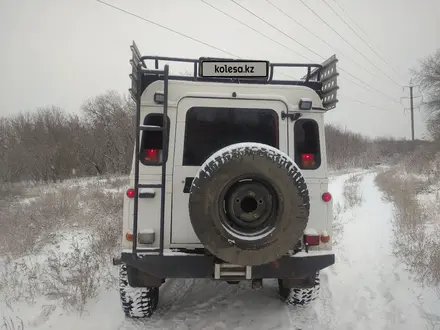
(116, 261)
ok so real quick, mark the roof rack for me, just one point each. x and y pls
(320, 77)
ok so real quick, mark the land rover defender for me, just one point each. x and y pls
(229, 178)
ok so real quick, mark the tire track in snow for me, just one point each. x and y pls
(178, 290)
(218, 305)
(374, 292)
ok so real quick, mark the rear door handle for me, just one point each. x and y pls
(187, 186)
(147, 193)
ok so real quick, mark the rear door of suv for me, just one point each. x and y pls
(205, 125)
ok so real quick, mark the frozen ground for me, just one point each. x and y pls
(365, 289)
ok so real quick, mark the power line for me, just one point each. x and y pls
(269, 38)
(317, 36)
(365, 103)
(342, 69)
(371, 87)
(214, 47)
(363, 31)
(177, 32)
(360, 37)
(317, 15)
(274, 27)
(167, 28)
(250, 27)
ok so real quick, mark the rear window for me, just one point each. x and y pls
(209, 129)
(307, 147)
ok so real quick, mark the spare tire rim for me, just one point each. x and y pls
(250, 207)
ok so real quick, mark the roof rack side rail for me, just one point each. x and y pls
(309, 67)
(328, 76)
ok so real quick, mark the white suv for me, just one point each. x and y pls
(229, 178)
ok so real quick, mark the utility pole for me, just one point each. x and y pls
(411, 97)
(412, 111)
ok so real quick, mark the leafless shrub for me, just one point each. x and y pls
(346, 149)
(337, 223)
(27, 226)
(414, 243)
(387, 183)
(118, 182)
(352, 193)
(21, 230)
(9, 190)
(74, 277)
(10, 324)
(61, 204)
(71, 277)
(20, 280)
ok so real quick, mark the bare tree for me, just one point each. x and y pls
(428, 75)
(112, 136)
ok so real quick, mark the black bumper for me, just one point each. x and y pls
(201, 266)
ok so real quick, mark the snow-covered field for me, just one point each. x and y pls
(367, 288)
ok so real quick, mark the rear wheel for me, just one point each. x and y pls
(299, 296)
(136, 302)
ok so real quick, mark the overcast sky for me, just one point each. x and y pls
(62, 51)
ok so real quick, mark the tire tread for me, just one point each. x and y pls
(300, 296)
(136, 302)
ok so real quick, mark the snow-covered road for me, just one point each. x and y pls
(365, 289)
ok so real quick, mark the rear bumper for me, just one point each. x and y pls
(201, 266)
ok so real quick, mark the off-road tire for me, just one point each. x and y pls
(136, 302)
(299, 296)
(288, 198)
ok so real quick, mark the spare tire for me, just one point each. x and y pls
(249, 204)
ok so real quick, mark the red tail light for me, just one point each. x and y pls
(131, 193)
(152, 155)
(326, 197)
(311, 239)
(308, 157)
(129, 236)
(308, 160)
(325, 238)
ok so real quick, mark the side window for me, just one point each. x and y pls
(151, 152)
(307, 147)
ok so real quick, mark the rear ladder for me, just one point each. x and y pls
(139, 69)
